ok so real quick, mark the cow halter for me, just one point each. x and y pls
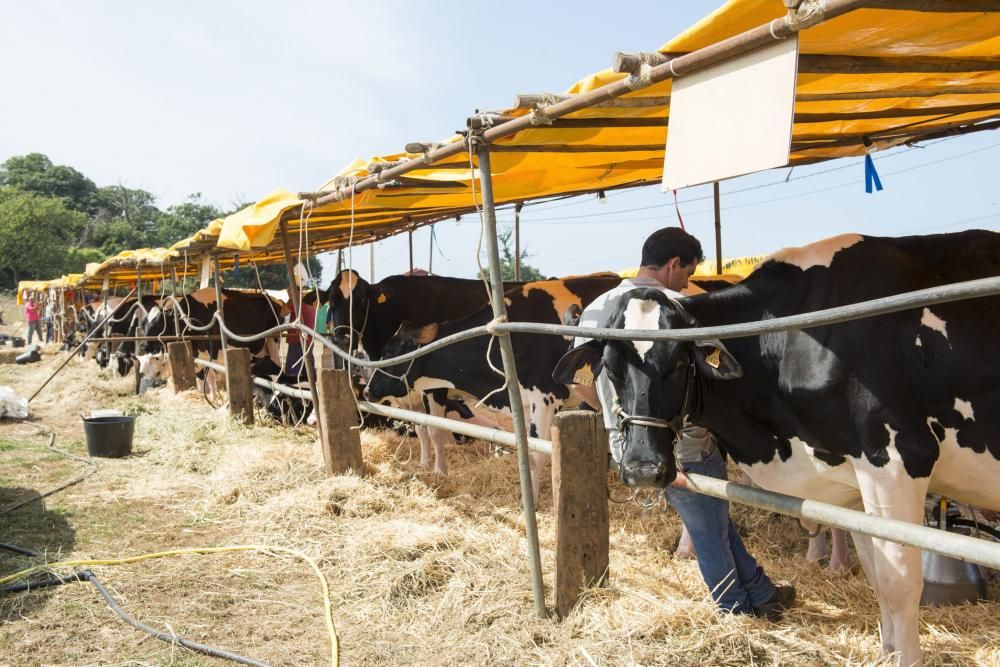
(674, 424)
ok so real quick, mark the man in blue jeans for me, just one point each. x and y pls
(737, 583)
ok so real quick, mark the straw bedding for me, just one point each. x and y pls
(423, 569)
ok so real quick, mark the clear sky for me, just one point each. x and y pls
(235, 99)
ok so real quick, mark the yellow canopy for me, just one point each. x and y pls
(887, 76)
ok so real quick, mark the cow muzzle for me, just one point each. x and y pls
(647, 474)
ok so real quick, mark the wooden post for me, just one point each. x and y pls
(239, 384)
(580, 487)
(181, 365)
(340, 439)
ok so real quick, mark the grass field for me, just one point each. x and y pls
(423, 569)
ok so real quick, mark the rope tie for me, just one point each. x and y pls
(491, 326)
(539, 117)
(642, 77)
(806, 15)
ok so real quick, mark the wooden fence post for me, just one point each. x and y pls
(239, 384)
(338, 416)
(181, 365)
(580, 488)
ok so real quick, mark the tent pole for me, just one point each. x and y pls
(513, 386)
(517, 240)
(218, 299)
(411, 250)
(307, 351)
(718, 230)
(430, 255)
(371, 262)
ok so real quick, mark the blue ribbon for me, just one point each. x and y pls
(871, 176)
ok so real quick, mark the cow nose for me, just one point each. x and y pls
(646, 474)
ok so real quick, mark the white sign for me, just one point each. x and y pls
(732, 118)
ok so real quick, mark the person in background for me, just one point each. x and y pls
(294, 353)
(737, 583)
(33, 315)
(50, 316)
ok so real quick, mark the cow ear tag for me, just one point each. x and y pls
(584, 375)
(382, 298)
(714, 359)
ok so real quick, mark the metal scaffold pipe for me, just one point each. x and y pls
(513, 386)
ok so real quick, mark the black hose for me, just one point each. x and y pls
(87, 575)
(969, 523)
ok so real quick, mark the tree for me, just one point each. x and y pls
(126, 218)
(528, 273)
(35, 233)
(182, 220)
(35, 173)
(272, 276)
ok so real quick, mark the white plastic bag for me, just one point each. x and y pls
(11, 405)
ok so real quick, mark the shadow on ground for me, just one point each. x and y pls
(32, 527)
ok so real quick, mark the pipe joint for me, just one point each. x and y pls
(805, 14)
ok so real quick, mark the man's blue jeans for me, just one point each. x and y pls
(733, 576)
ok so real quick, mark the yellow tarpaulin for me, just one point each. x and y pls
(880, 75)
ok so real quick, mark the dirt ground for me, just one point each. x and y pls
(423, 569)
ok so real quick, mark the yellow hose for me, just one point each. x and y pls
(327, 606)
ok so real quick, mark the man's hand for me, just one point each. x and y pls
(681, 481)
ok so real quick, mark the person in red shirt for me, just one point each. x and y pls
(33, 314)
(293, 355)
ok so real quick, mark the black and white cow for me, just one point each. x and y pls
(374, 312)
(464, 367)
(126, 321)
(872, 413)
(245, 313)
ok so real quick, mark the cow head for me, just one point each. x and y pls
(348, 298)
(656, 382)
(398, 381)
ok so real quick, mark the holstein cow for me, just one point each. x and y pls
(872, 413)
(464, 367)
(245, 313)
(126, 321)
(367, 315)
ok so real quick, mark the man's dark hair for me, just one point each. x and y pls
(669, 242)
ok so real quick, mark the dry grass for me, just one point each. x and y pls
(423, 569)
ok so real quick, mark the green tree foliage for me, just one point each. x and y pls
(35, 173)
(35, 232)
(272, 276)
(54, 220)
(505, 239)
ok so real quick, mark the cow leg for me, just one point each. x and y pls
(818, 546)
(425, 446)
(540, 411)
(438, 437)
(840, 559)
(888, 491)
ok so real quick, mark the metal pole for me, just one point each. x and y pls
(517, 240)
(218, 301)
(411, 250)
(430, 255)
(371, 262)
(962, 547)
(82, 343)
(513, 386)
(139, 315)
(718, 230)
(307, 357)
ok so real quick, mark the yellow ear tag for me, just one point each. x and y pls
(382, 298)
(584, 376)
(714, 360)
